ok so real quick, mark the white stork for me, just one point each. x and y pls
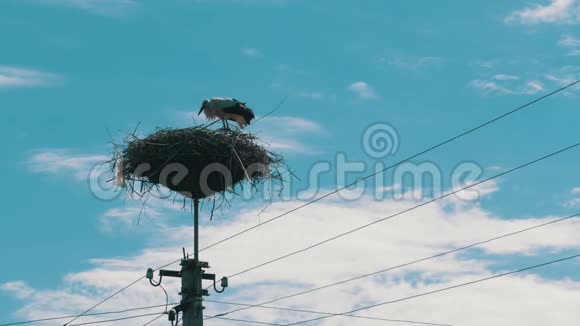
(227, 109)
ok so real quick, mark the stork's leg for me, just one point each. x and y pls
(226, 125)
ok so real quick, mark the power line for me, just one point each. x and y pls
(441, 290)
(405, 264)
(114, 294)
(396, 164)
(261, 305)
(323, 313)
(88, 314)
(116, 319)
(339, 189)
(243, 321)
(405, 211)
(154, 319)
(159, 315)
(274, 110)
(250, 321)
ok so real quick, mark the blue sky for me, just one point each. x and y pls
(74, 72)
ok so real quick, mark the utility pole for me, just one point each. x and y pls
(192, 275)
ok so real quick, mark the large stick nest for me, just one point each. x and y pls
(197, 162)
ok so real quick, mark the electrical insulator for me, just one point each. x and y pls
(149, 274)
(171, 315)
(224, 282)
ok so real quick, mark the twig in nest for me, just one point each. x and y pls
(275, 109)
(212, 209)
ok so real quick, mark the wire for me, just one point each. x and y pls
(92, 314)
(405, 211)
(154, 319)
(323, 313)
(405, 264)
(339, 189)
(156, 284)
(220, 316)
(116, 319)
(230, 319)
(166, 296)
(396, 164)
(275, 109)
(249, 321)
(114, 294)
(442, 289)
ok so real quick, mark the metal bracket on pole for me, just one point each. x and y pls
(170, 273)
(208, 276)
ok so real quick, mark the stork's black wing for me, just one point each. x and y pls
(240, 109)
(243, 103)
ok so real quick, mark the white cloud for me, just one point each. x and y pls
(389, 188)
(506, 86)
(559, 80)
(556, 11)
(569, 41)
(573, 202)
(289, 145)
(147, 215)
(116, 219)
(564, 76)
(112, 8)
(62, 162)
(475, 193)
(289, 134)
(251, 52)
(363, 90)
(278, 133)
(571, 44)
(18, 289)
(535, 86)
(505, 77)
(294, 124)
(424, 232)
(489, 87)
(15, 77)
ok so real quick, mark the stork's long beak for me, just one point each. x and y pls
(200, 110)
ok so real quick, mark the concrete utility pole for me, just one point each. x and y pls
(191, 274)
